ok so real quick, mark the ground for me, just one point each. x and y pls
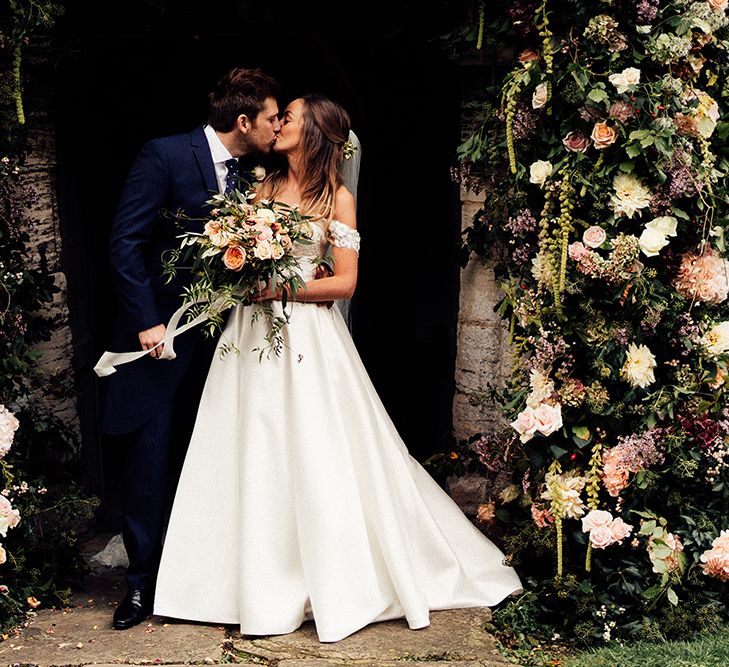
(82, 635)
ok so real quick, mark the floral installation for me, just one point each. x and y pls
(245, 244)
(604, 219)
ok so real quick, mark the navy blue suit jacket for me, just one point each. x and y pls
(171, 174)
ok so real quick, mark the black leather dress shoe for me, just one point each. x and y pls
(133, 609)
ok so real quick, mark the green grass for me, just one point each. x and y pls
(709, 651)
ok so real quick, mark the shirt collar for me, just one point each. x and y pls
(218, 151)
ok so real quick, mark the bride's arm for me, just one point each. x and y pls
(340, 285)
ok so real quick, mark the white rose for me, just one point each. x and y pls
(652, 241)
(265, 216)
(632, 76)
(665, 225)
(263, 250)
(625, 80)
(540, 96)
(259, 173)
(539, 172)
(618, 80)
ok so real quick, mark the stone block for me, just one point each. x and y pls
(453, 635)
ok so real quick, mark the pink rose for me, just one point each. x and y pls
(620, 530)
(548, 418)
(264, 233)
(234, 258)
(594, 236)
(576, 142)
(603, 135)
(601, 537)
(525, 424)
(595, 519)
(577, 250)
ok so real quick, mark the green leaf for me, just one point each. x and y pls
(557, 451)
(647, 528)
(652, 592)
(679, 213)
(672, 597)
(626, 167)
(597, 95)
(633, 150)
(582, 432)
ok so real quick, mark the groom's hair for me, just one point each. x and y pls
(240, 91)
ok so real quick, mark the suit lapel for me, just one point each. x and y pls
(201, 149)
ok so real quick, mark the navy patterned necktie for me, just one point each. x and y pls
(231, 180)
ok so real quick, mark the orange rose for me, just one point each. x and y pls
(234, 258)
(528, 56)
(603, 135)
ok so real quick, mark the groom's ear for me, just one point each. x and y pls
(243, 123)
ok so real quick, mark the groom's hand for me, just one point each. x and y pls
(150, 337)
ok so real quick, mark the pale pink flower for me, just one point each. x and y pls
(718, 5)
(548, 418)
(594, 236)
(715, 561)
(3, 556)
(8, 425)
(601, 537)
(577, 250)
(703, 277)
(525, 424)
(620, 530)
(595, 519)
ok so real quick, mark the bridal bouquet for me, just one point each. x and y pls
(245, 246)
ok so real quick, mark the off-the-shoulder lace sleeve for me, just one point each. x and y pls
(342, 236)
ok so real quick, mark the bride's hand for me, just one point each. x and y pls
(267, 294)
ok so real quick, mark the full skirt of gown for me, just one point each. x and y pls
(298, 499)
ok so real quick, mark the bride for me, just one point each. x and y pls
(298, 500)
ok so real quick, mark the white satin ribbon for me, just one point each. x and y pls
(109, 360)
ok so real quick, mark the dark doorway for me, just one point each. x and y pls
(135, 70)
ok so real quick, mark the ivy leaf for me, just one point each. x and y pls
(598, 95)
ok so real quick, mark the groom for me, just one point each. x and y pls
(176, 174)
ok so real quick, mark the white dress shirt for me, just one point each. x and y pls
(220, 154)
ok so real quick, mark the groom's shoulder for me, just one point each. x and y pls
(181, 140)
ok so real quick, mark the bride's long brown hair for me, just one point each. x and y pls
(324, 130)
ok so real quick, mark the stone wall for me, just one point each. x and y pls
(39, 173)
(483, 354)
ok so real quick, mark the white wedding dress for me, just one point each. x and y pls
(298, 499)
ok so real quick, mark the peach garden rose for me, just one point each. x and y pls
(234, 258)
(603, 135)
